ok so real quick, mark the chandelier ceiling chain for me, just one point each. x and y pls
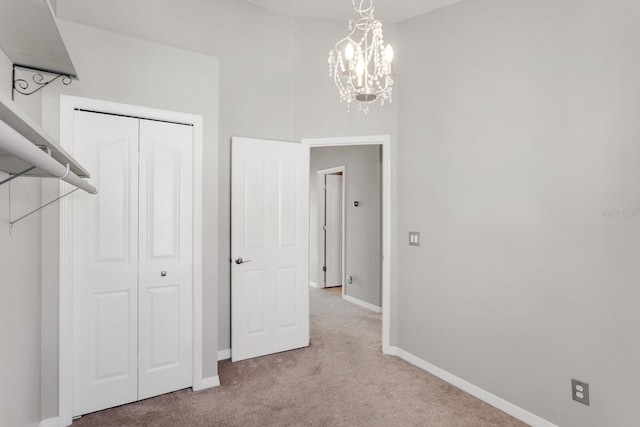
(360, 63)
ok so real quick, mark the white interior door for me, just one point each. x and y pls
(333, 230)
(270, 247)
(132, 261)
(166, 242)
(105, 265)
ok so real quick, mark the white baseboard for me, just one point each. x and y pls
(362, 303)
(493, 400)
(50, 422)
(224, 354)
(390, 350)
(313, 284)
(210, 382)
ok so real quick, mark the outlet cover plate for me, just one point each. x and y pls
(580, 391)
(414, 238)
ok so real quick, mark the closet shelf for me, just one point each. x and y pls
(29, 37)
(24, 144)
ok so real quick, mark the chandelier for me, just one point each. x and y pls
(360, 63)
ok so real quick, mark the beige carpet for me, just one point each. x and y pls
(342, 379)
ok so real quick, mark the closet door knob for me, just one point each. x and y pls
(163, 274)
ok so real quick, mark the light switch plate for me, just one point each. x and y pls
(414, 238)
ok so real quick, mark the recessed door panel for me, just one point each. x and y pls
(112, 206)
(112, 324)
(163, 185)
(287, 220)
(255, 201)
(287, 297)
(255, 299)
(164, 322)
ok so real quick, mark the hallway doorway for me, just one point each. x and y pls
(356, 203)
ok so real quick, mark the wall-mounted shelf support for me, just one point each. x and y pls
(23, 144)
(38, 80)
(17, 175)
(40, 208)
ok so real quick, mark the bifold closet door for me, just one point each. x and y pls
(132, 261)
(166, 204)
(105, 265)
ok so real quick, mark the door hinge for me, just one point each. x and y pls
(324, 187)
(324, 227)
(324, 268)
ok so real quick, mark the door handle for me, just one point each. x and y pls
(242, 261)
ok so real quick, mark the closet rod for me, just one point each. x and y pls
(17, 175)
(41, 207)
(19, 146)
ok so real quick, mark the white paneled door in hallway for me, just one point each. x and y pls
(269, 247)
(132, 261)
(333, 230)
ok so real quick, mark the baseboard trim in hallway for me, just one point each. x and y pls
(50, 422)
(361, 303)
(210, 382)
(224, 354)
(487, 397)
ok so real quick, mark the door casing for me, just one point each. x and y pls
(343, 242)
(388, 215)
(67, 106)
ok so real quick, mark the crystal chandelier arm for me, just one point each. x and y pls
(362, 6)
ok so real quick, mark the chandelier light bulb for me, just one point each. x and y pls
(359, 74)
(360, 66)
(388, 53)
(349, 52)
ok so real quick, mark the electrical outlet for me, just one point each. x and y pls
(349, 279)
(580, 392)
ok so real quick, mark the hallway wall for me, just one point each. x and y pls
(363, 223)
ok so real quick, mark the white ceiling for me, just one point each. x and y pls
(385, 10)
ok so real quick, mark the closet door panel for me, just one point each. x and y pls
(166, 216)
(105, 264)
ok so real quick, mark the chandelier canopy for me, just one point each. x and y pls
(360, 63)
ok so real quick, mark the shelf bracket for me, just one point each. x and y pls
(16, 175)
(38, 80)
(41, 207)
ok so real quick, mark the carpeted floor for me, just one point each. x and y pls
(341, 379)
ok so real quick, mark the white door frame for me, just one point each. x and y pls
(67, 106)
(387, 220)
(330, 171)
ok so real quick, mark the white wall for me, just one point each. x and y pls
(518, 129)
(363, 223)
(127, 70)
(20, 282)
